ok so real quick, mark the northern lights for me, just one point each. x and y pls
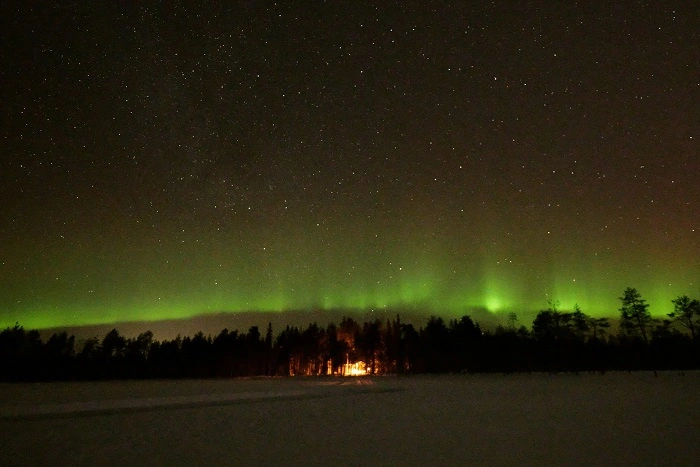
(169, 162)
(151, 284)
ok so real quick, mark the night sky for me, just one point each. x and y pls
(173, 160)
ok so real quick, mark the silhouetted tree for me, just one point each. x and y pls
(551, 324)
(560, 341)
(228, 354)
(269, 358)
(197, 356)
(560, 337)
(348, 330)
(598, 326)
(20, 353)
(466, 336)
(289, 351)
(686, 311)
(312, 351)
(59, 353)
(391, 346)
(337, 348)
(89, 348)
(512, 321)
(634, 314)
(166, 358)
(255, 354)
(113, 344)
(268, 336)
(435, 341)
(410, 348)
(580, 322)
(368, 343)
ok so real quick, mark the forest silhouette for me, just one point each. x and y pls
(558, 341)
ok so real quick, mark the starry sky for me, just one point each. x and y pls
(166, 160)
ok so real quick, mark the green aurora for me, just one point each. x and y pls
(450, 158)
(137, 281)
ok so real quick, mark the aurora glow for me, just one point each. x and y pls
(165, 164)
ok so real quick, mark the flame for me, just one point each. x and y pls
(355, 369)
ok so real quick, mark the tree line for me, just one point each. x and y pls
(558, 341)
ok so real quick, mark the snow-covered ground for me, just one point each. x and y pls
(539, 419)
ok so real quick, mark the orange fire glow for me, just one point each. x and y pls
(355, 369)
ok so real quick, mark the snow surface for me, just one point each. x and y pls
(538, 419)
